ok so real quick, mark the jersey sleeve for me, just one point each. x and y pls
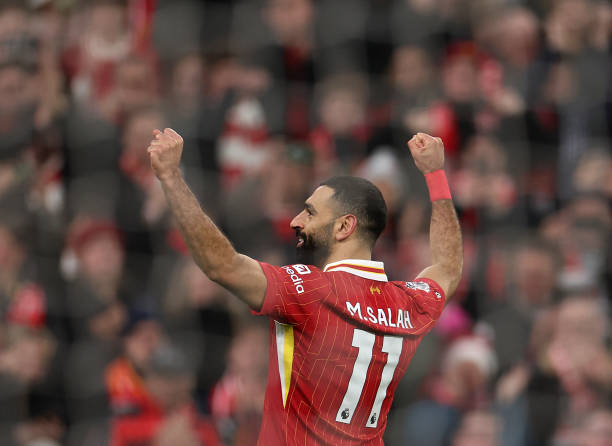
(428, 301)
(292, 292)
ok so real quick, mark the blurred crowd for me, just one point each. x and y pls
(110, 335)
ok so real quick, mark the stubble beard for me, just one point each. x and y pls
(316, 248)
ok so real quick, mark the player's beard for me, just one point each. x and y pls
(316, 247)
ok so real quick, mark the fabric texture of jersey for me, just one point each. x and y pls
(340, 340)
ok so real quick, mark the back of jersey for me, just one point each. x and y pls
(341, 348)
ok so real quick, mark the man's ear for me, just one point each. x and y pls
(346, 225)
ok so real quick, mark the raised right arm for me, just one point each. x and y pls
(209, 247)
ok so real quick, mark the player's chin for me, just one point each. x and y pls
(303, 255)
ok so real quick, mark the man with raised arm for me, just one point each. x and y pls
(341, 334)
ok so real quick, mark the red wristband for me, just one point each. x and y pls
(437, 185)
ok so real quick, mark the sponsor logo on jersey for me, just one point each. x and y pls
(418, 286)
(298, 282)
(374, 289)
(438, 295)
(301, 269)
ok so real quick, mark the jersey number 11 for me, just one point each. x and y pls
(364, 341)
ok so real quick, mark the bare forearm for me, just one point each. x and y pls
(444, 231)
(445, 241)
(445, 234)
(446, 246)
(211, 250)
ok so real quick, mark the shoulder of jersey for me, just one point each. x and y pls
(418, 285)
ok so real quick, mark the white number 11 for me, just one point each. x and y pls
(364, 341)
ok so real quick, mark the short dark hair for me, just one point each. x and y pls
(361, 198)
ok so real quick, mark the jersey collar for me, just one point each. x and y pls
(368, 269)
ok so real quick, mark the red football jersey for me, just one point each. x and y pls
(340, 341)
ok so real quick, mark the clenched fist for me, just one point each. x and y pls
(165, 152)
(427, 151)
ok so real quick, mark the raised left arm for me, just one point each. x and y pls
(445, 240)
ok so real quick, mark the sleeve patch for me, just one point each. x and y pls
(420, 286)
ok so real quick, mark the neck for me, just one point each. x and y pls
(349, 251)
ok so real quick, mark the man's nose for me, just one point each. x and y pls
(297, 222)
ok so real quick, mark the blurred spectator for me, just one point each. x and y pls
(484, 185)
(16, 109)
(512, 34)
(196, 314)
(579, 355)
(532, 288)
(173, 420)
(411, 72)
(26, 354)
(127, 393)
(196, 107)
(596, 430)
(140, 207)
(93, 263)
(593, 173)
(454, 119)
(17, 42)
(383, 168)
(478, 428)
(29, 107)
(601, 34)
(96, 317)
(289, 57)
(242, 145)
(177, 27)
(411, 91)
(86, 361)
(25, 358)
(582, 231)
(466, 370)
(101, 41)
(134, 87)
(23, 300)
(340, 139)
(567, 25)
(419, 22)
(187, 85)
(556, 387)
(586, 115)
(237, 400)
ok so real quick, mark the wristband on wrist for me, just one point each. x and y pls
(437, 185)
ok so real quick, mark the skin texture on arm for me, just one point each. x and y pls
(446, 247)
(444, 232)
(210, 249)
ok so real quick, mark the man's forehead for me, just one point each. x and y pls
(320, 196)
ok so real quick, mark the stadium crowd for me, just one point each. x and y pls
(110, 335)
